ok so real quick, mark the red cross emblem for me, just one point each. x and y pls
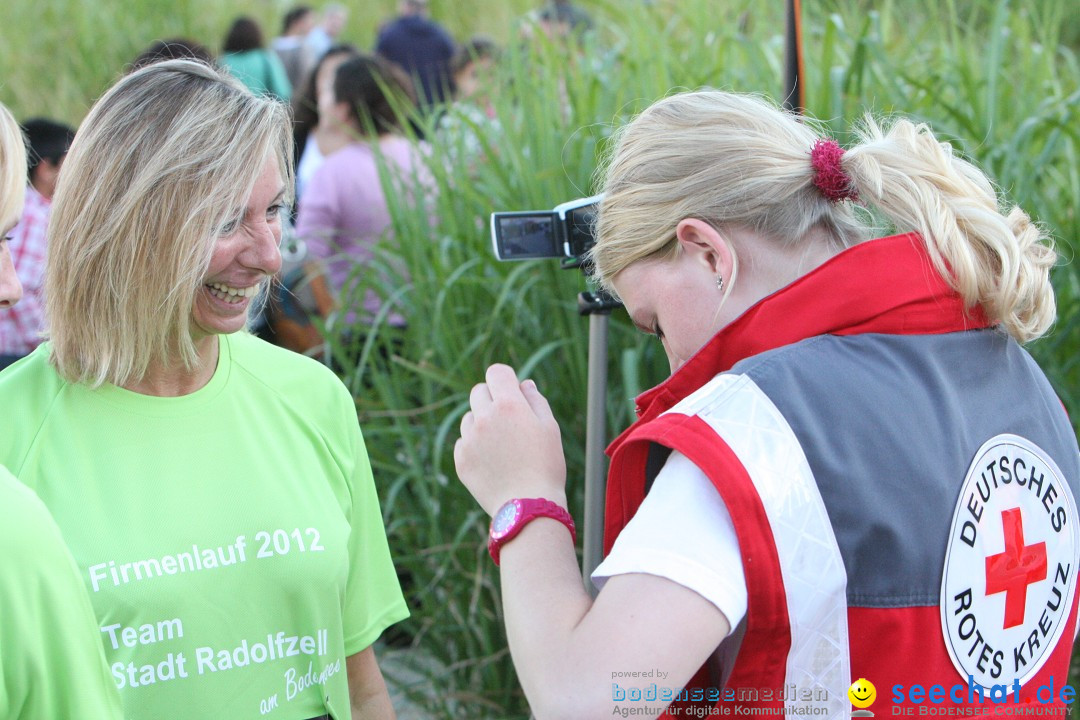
(1012, 571)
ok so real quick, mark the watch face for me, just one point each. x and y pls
(504, 519)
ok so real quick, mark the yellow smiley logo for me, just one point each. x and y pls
(862, 693)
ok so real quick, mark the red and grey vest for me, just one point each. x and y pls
(901, 478)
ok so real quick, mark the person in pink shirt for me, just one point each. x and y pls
(21, 327)
(343, 211)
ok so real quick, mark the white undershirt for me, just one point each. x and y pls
(311, 159)
(683, 532)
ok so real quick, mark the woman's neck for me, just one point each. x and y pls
(175, 380)
(772, 265)
(331, 138)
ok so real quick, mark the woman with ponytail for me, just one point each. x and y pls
(854, 472)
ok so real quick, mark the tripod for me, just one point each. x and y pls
(598, 306)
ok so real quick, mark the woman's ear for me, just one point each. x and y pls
(704, 244)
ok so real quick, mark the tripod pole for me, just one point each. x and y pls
(595, 440)
(598, 306)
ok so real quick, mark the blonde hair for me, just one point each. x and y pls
(737, 160)
(12, 169)
(165, 159)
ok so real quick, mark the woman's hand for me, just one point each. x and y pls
(510, 445)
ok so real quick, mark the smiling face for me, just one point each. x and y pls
(862, 693)
(245, 254)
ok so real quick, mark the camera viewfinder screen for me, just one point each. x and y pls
(524, 236)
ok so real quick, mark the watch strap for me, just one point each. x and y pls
(528, 509)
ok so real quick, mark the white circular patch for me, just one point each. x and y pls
(1008, 582)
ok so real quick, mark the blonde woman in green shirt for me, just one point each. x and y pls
(214, 490)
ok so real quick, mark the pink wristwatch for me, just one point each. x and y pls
(519, 512)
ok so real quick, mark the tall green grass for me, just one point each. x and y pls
(999, 78)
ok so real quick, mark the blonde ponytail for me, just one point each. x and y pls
(1000, 262)
(738, 160)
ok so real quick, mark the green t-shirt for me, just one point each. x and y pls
(51, 664)
(231, 539)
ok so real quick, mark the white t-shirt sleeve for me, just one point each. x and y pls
(683, 532)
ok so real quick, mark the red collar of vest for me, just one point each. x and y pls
(887, 285)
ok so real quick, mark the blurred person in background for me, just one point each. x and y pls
(290, 47)
(302, 291)
(316, 133)
(562, 18)
(471, 69)
(21, 327)
(422, 48)
(325, 34)
(51, 660)
(344, 211)
(469, 129)
(214, 490)
(172, 49)
(245, 56)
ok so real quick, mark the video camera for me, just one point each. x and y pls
(565, 232)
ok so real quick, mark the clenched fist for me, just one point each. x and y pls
(510, 445)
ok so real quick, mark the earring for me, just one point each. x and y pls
(720, 283)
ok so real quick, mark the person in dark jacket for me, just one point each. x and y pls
(422, 48)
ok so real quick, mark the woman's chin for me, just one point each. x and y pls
(216, 316)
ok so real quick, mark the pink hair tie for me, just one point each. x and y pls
(829, 177)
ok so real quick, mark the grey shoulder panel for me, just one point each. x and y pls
(890, 425)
